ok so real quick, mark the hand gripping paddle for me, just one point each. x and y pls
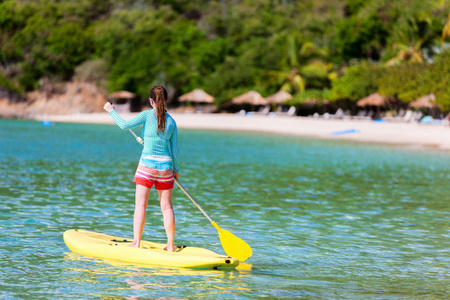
(231, 244)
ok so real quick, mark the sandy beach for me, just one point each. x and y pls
(412, 135)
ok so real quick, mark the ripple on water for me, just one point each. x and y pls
(327, 220)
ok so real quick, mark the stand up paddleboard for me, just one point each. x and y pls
(104, 246)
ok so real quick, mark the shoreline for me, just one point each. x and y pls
(410, 135)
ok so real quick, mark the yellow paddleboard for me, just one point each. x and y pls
(104, 246)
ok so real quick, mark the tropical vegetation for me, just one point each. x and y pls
(338, 50)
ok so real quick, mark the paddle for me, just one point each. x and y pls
(231, 244)
(138, 138)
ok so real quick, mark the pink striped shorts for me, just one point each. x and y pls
(163, 179)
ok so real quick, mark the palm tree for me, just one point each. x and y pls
(293, 81)
(407, 53)
(304, 60)
(409, 50)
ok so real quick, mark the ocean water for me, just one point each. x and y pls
(325, 219)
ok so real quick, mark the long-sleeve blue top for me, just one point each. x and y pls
(155, 144)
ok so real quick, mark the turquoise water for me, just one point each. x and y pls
(325, 219)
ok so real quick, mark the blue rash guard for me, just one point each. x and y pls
(158, 146)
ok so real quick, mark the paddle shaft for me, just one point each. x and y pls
(192, 199)
(140, 141)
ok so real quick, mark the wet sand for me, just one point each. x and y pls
(413, 135)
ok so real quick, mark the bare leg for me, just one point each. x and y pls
(165, 199)
(142, 194)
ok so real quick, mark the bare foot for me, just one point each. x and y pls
(170, 249)
(135, 244)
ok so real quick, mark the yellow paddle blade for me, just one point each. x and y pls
(233, 246)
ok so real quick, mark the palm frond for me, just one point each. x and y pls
(292, 51)
(298, 83)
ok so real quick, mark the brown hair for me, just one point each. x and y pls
(159, 95)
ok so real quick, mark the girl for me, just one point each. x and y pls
(159, 163)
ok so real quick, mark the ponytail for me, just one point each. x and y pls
(159, 95)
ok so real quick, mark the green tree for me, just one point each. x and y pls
(357, 82)
(151, 47)
(408, 82)
(407, 52)
(405, 82)
(226, 47)
(362, 36)
(304, 66)
(409, 47)
(50, 42)
(438, 81)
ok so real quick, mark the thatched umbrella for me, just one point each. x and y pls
(198, 96)
(252, 97)
(121, 95)
(279, 97)
(427, 101)
(374, 99)
(122, 100)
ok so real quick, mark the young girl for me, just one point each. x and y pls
(159, 163)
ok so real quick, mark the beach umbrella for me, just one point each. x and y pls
(252, 97)
(279, 97)
(198, 96)
(121, 95)
(374, 99)
(427, 101)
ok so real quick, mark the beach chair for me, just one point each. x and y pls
(339, 114)
(241, 112)
(364, 115)
(291, 111)
(402, 114)
(264, 111)
(407, 117)
(360, 114)
(417, 115)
